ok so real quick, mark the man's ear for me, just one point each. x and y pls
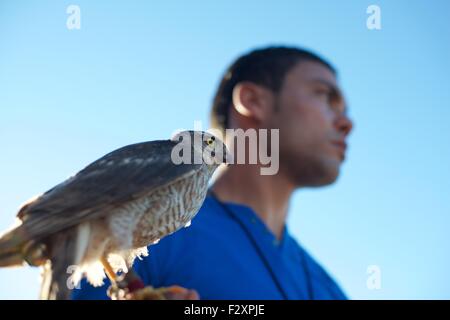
(252, 100)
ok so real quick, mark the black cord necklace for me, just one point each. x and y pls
(261, 255)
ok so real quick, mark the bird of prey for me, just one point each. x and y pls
(106, 215)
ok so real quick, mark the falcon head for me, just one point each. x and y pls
(205, 147)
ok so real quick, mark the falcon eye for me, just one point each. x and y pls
(210, 141)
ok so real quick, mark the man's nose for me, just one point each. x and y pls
(344, 124)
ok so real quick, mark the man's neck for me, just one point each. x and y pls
(268, 196)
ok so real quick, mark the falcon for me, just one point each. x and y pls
(103, 217)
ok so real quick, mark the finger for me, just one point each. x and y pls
(193, 295)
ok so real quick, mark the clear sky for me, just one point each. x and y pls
(138, 70)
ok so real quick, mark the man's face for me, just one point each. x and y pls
(310, 111)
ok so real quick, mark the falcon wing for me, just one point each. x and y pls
(107, 183)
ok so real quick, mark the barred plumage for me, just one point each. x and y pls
(112, 209)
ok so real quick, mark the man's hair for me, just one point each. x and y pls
(266, 67)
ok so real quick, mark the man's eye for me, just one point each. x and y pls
(327, 94)
(324, 92)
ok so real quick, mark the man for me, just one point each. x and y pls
(238, 246)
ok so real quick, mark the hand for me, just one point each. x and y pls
(164, 293)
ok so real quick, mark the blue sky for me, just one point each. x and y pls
(138, 70)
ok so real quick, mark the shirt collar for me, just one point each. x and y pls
(265, 240)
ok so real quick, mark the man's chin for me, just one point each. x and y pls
(332, 175)
(325, 181)
(318, 173)
(325, 177)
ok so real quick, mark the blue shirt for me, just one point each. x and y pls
(230, 254)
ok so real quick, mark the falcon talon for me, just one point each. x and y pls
(116, 293)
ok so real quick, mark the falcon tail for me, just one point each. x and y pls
(57, 271)
(11, 259)
(11, 244)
